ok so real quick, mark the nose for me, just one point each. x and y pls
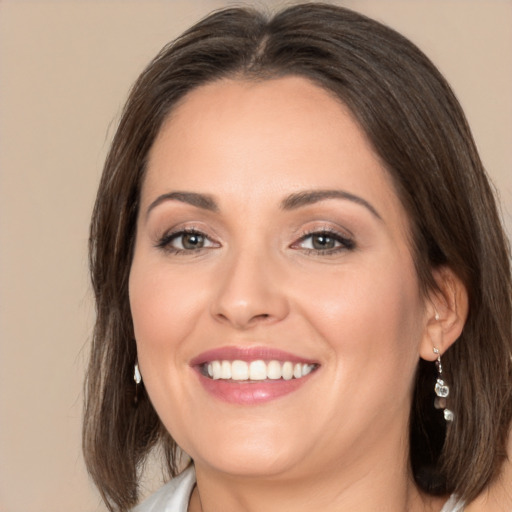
(250, 292)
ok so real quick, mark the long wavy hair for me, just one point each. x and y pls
(418, 129)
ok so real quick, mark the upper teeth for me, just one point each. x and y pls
(257, 370)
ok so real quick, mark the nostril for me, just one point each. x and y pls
(245, 321)
(263, 316)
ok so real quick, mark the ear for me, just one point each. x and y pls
(446, 311)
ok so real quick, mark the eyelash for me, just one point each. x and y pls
(345, 244)
(166, 241)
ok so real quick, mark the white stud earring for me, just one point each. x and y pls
(137, 377)
(441, 389)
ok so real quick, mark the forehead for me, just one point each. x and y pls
(252, 140)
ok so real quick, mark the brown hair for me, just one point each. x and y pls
(418, 129)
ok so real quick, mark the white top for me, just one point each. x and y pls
(175, 496)
(452, 505)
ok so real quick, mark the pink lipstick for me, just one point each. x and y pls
(251, 375)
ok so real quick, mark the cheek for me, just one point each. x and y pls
(163, 304)
(164, 312)
(371, 316)
(373, 326)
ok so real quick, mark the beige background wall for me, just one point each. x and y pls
(65, 68)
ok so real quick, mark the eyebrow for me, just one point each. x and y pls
(203, 201)
(308, 197)
(292, 202)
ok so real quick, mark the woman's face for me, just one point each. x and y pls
(271, 247)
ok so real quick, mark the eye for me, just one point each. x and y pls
(189, 241)
(185, 241)
(324, 242)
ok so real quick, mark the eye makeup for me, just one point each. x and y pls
(186, 240)
(324, 242)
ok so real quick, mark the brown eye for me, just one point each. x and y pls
(322, 241)
(325, 242)
(186, 241)
(191, 241)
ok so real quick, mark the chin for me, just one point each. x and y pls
(252, 464)
(249, 454)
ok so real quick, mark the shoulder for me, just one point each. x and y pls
(172, 497)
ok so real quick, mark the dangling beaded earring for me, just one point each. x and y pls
(137, 377)
(441, 389)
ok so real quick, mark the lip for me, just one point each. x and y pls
(254, 392)
(248, 354)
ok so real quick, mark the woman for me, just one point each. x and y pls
(297, 256)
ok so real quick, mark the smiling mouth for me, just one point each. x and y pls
(255, 371)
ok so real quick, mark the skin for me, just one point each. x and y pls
(339, 442)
